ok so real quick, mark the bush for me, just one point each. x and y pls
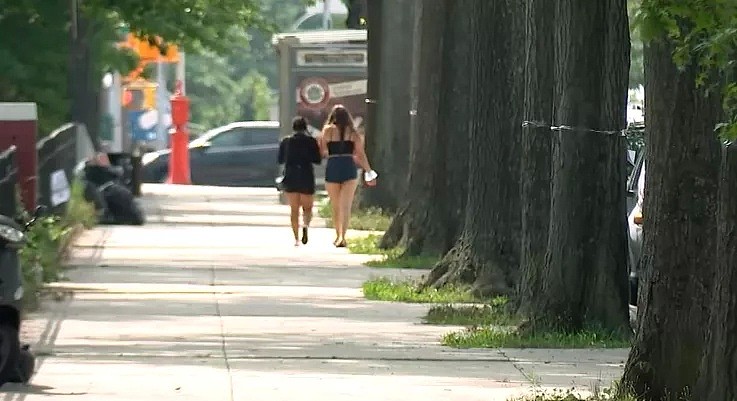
(42, 257)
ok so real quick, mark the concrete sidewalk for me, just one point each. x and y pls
(222, 313)
(206, 205)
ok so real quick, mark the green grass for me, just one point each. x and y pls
(366, 245)
(491, 336)
(492, 325)
(493, 313)
(370, 219)
(384, 289)
(389, 258)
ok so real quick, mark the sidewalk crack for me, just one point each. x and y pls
(529, 376)
(223, 345)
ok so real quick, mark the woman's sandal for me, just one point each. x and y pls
(341, 244)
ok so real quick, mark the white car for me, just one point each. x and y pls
(636, 188)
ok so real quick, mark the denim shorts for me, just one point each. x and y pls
(340, 168)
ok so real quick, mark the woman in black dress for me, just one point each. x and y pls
(298, 153)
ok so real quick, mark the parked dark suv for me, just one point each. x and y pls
(240, 154)
(237, 154)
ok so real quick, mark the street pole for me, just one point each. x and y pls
(161, 100)
(326, 14)
(181, 75)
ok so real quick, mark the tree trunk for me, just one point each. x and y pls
(536, 148)
(388, 144)
(454, 128)
(718, 378)
(487, 253)
(585, 279)
(373, 136)
(415, 226)
(449, 162)
(680, 229)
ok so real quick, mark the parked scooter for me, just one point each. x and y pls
(103, 186)
(16, 361)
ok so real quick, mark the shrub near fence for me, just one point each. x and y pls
(57, 157)
(8, 181)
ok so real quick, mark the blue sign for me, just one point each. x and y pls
(141, 131)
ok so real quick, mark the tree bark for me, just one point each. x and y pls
(448, 164)
(454, 128)
(536, 148)
(373, 86)
(718, 377)
(415, 226)
(388, 144)
(487, 253)
(585, 280)
(680, 229)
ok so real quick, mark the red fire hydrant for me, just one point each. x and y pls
(179, 172)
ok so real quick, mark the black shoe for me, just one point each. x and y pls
(304, 235)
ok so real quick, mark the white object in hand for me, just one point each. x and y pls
(370, 175)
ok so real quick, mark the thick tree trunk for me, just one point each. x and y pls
(417, 212)
(438, 210)
(388, 145)
(454, 128)
(487, 253)
(585, 278)
(718, 377)
(372, 128)
(536, 148)
(419, 224)
(680, 229)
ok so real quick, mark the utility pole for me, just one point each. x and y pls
(326, 14)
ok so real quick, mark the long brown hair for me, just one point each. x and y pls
(341, 118)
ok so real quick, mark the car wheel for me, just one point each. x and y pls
(25, 368)
(9, 352)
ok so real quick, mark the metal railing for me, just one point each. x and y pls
(57, 157)
(8, 182)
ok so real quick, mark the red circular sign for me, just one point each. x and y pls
(314, 92)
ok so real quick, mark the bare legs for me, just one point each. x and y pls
(297, 201)
(347, 193)
(307, 202)
(341, 200)
(334, 195)
(294, 204)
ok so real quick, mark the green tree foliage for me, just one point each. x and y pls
(704, 30)
(36, 67)
(34, 56)
(637, 70)
(192, 24)
(240, 84)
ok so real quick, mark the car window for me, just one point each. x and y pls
(238, 137)
(230, 138)
(261, 136)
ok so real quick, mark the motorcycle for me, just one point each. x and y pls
(113, 200)
(16, 361)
